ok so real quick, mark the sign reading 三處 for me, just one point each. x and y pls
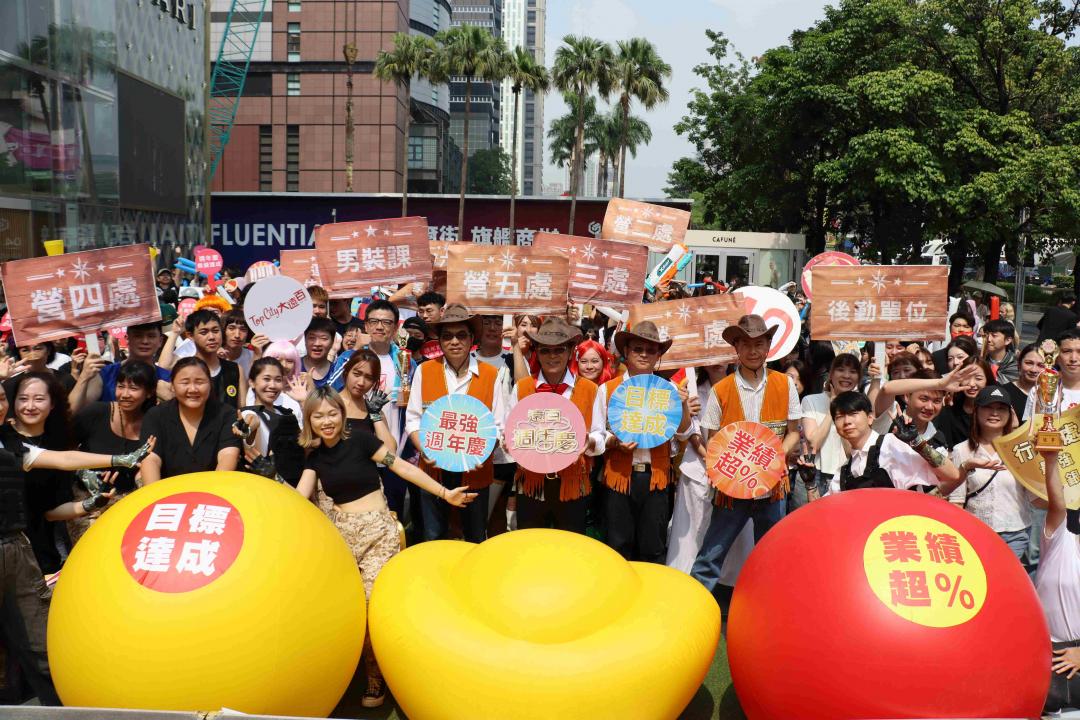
(457, 433)
(925, 571)
(602, 272)
(645, 409)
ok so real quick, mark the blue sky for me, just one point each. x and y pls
(677, 28)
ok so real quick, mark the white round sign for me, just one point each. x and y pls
(278, 307)
(776, 309)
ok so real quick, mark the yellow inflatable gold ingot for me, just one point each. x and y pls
(539, 624)
(149, 613)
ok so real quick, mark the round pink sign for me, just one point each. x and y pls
(545, 433)
(832, 257)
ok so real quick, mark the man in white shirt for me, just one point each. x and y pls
(458, 372)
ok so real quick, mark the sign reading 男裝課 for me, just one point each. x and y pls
(182, 11)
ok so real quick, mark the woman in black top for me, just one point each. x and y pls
(955, 419)
(344, 464)
(114, 428)
(1030, 363)
(363, 400)
(194, 432)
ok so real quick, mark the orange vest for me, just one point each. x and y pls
(774, 412)
(481, 387)
(575, 478)
(620, 462)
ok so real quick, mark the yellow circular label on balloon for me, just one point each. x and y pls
(925, 571)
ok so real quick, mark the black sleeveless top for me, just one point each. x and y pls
(226, 384)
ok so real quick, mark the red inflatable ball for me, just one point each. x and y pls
(886, 604)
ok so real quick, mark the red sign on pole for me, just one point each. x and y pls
(602, 272)
(356, 256)
(302, 266)
(655, 226)
(506, 280)
(56, 297)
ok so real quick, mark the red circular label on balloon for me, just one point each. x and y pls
(182, 542)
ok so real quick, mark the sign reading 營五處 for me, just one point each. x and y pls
(506, 280)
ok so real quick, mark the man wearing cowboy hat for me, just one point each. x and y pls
(457, 373)
(756, 394)
(636, 511)
(558, 499)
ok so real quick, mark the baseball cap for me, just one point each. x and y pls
(991, 394)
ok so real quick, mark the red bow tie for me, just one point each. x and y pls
(547, 387)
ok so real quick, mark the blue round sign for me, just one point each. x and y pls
(645, 409)
(458, 433)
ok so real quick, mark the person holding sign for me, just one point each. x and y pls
(636, 509)
(344, 464)
(557, 499)
(458, 372)
(755, 394)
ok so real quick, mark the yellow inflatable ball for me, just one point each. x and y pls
(539, 624)
(206, 591)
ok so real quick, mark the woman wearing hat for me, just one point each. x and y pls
(558, 499)
(457, 372)
(755, 394)
(636, 511)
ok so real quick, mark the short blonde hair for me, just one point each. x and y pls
(308, 439)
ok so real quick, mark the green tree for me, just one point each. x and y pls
(562, 135)
(489, 172)
(525, 73)
(475, 53)
(581, 65)
(413, 55)
(639, 75)
(605, 134)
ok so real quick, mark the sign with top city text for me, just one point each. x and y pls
(880, 302)
(506, 280)
(354, 257)
(602, 272)
(696, 325)
(55, 297)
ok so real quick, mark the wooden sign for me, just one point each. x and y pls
(696, 325)
(655, 226)
(880, 302)
(602, 272)
(439, 253)
(56, 297)
(302, 266)
(354, 257)
(506, 280)
(1017, 451)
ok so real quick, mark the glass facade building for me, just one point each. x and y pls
(102, 108)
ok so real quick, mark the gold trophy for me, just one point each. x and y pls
(1048, 400)
(403, 370)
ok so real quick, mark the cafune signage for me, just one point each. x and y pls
(182, 11)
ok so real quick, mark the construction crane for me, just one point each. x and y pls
(230, 70)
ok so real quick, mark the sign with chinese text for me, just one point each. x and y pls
(301, 265)
(354, 257)
(880, 302)
(439, 253)
(278, 307)
(822, 259)
(1017, 451)
(458, 433)
(545, 433)
(261, 269)
(776, 309)
(56, 297)
(185, 308)
(506, 280)
(696, 325)
(645, 409)
(208, 262)
(602, 272)
(745, 460)
(655, 226)
(182, 542)
(924, 571)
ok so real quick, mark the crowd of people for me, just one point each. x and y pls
(336, 414)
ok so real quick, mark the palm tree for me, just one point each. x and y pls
(638, 133)
(528, 74)
(476, 54)
(412, 55)
(581, 64)
(606, 133)
(562, 135)
(640, 73)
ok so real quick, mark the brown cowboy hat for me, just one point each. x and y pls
(644, 330)
(554, 331)
(456, 313)
(749, 327)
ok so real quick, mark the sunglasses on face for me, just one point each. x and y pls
(462, 336)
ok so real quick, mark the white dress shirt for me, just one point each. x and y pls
(595, 429)
(906, 468)
(641, 455)
(752, 397)
(456, 386)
